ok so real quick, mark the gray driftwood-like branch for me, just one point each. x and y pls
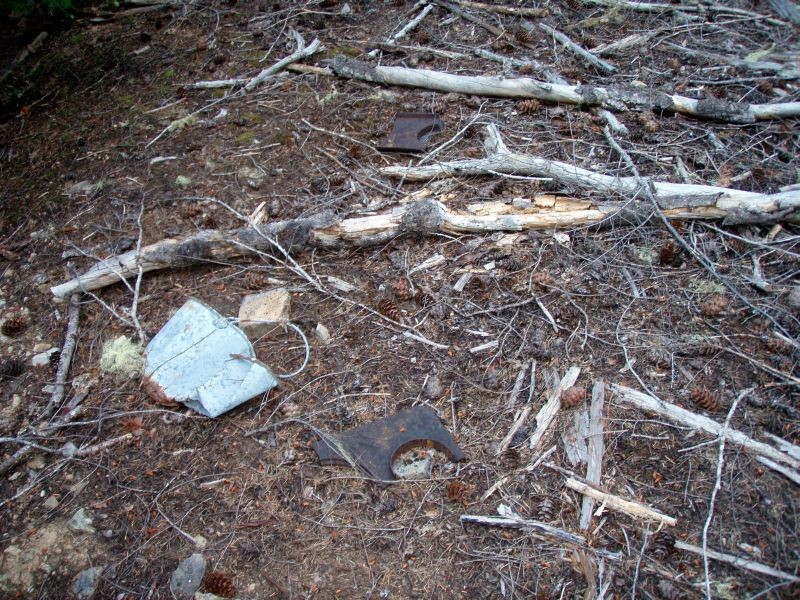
(610, 98)
(423, 217)
(698, 201)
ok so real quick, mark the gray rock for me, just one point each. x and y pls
(187, 576)
(86, 582)
(81, 522)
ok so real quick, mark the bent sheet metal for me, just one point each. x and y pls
(204, 361)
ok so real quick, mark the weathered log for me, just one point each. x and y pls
(611, 98)
(422, 217)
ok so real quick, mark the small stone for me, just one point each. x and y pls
(51, 503)
(187, 576)
(69, 449)
(433, 388)
(793, 298)
(43, 358)
(36, 463)
(183, 181)
(86, 582)
(81, 522)
(273, 306)
(322, 333)
(42, 347)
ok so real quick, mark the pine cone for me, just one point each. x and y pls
(525, 69)
(509, 459)
(473, 152)
(132, 424)
(523, 36)
(219, 584)
(574, 4)
(663, 544)
(649, 124)
(526, 107)
(778, 345)
(542, 279)
(10, 368)
(424, 299)
(254, 281)
(357, 151)
(714, 305)
(572, 396)
(667, 254)
(704, 399)
(192, 210)
(401, 289)
(424, 36)
(388, 308)
(14, 326)
(475, 284)
(458, 491)
(546, 510)
(509, 263)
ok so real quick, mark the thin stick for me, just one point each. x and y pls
(139, 274)
(561, 38)
(65, 359)
(717, 485)
(629, 507)
(302, 51)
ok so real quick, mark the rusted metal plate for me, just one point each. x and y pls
(411, 132)
(374, 445)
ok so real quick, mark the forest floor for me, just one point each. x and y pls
(83, 179)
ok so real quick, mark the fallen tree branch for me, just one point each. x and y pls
(779, 70)
(324, 230)
(654, 7)
(22, 56)
(505, 10)
(251, 83)
(738, 562)
(629, 507)
(735, 206)
(690, 419)
(536, 526)
(610, 98)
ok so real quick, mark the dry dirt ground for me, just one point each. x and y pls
(245, 489)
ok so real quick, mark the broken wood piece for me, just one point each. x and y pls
(325, 230)
(629, 507)
(594, 466)
(548, 74)
(548, 412)
(738, 562)
(685, 417)
(574, 438)
(523, 415)
(788, 447)
(612, 98)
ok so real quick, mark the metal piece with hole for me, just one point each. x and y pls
(411, 132)
(374, 445)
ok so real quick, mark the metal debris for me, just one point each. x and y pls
(374, 445)
(411, 132)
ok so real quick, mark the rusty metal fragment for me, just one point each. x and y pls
(374, 445)
(411, 132)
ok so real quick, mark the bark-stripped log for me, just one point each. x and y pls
(610, 98)
(422, 217)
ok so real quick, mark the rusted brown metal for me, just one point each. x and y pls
(411, 132)
(374, 445)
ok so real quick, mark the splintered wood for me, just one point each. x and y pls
(634, 509)
(596, 446)
(547, 414)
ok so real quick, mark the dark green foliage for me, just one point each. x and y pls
(26, 6)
